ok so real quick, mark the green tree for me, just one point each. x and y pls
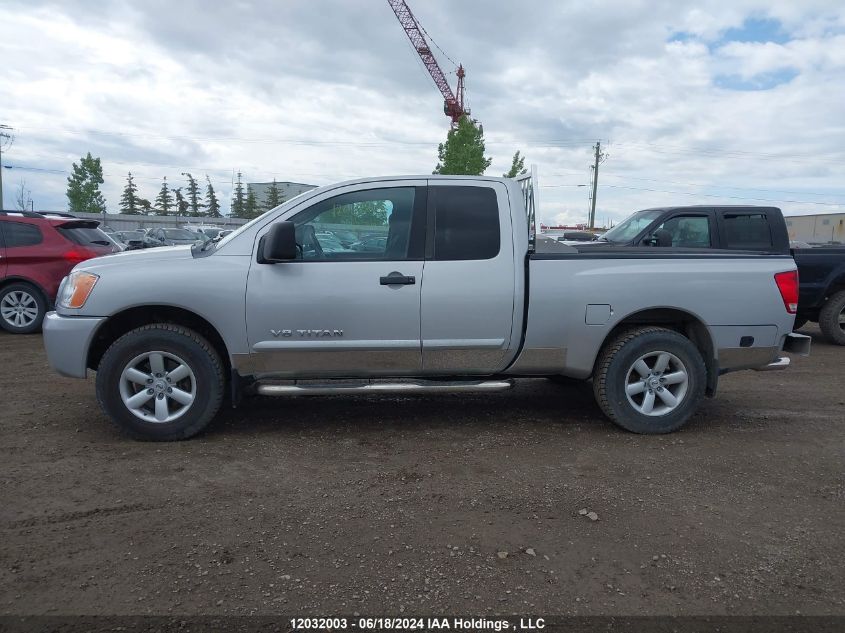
(463, 151)
(193, 195)
(517, 166)
(274, 196)
(211, 201)
(181, 203)
(164, 200)
(83, 186)
(238, 209)
(251, 206)
(145, 206)
(129, 199)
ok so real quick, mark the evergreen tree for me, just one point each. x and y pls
(211, 202)
(517, 166)
(463, 151)
(164, 200)
(239, 200)
(193, 195)
(181, 203)
(251, 206)
(274, 196)
(83, 186)
(145, 206)
(129, 199)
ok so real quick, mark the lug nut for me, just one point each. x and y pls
(160, 396)
(170, 390)
(150, 391)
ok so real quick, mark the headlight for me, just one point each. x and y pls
(76, 288)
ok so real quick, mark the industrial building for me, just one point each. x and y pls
(287, 190)
(822, 228)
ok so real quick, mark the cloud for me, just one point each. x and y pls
(722, 102)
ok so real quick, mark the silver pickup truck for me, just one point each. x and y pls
(414, 284)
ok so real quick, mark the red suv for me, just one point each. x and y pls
(36, 252)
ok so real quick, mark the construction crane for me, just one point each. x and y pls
(453, 105)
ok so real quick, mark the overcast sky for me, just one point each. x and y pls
(731, 101)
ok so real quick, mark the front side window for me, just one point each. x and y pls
(630, 227)
(688, 231)
(371, 224)
(466, 223)
(20, 234)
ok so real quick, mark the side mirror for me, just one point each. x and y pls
(279, 245)
(661, 237)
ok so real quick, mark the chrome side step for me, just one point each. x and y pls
(373, 387)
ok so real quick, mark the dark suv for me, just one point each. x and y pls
(36, 252)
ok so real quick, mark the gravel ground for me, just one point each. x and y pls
(448, 504)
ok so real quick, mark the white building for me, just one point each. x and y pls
(822, 228)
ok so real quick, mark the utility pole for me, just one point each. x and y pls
(599, 158)
(7, 139)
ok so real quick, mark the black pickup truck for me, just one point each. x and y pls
(821, 271)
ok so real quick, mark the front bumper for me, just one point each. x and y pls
(67, 340)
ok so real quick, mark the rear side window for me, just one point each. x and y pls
(748, 231)
(466, 223)
(20, 234)
(85, 236)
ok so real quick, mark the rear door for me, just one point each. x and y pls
(470, 278)
(747, 230)
(344, 310)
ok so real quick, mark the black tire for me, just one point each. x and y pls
(616, 361)
(32, 298)
(187, 346)
(829, 318)
(799, 323)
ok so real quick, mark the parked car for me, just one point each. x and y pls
(173, 237)
(36, 252)
(203, 231)
(822, 291)
(133, 240)
(375, 244)
(170, 332)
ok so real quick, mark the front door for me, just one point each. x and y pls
(350, 304)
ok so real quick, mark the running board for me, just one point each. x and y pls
(357, 388)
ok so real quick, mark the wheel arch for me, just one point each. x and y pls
(15, 279)
(126, 320)
(681, 321)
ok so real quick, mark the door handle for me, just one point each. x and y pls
(397, 279)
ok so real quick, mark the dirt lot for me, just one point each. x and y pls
(387, 505)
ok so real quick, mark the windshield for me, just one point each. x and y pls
(628, 229)
(179, 234)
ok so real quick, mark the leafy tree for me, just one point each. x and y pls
(517, 166)
(83, 186)
(193, 195)
(181, 203)
(129, 200)
(274, 196)
(145, 206)
(211, 201)
(251, 207)
(238, 209)
(463, 151)
(164, 200)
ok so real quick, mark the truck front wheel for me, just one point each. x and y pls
(160, 382)
(832, 318)
(649, 380)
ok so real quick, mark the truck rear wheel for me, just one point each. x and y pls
(832, 318)
(160, 382)
(649, 380)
